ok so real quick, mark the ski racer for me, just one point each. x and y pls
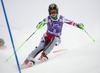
(52, 36)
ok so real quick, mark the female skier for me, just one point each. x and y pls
(52, 36)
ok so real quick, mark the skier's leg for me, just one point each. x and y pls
(49, 47)
(38, 49)
(35, 52)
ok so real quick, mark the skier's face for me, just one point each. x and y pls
(53, 13)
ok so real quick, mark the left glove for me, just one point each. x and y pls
(81, 26)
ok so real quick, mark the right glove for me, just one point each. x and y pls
(40, 25)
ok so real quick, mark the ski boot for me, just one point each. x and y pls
(27, 63)
(43, 57)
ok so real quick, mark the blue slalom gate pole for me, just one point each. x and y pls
(2, 3)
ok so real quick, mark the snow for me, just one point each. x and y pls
(81, 54)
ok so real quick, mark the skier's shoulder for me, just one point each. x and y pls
(60, 16)
(46, 19)
(64, 19)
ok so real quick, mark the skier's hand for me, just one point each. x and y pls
(40, 25)
(81, 26)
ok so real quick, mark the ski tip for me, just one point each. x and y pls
(24, 66)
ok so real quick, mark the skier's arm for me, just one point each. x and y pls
(79, 25)
(70, 22)
(41, 24)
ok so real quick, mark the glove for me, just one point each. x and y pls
(81, 26)
(40, 25)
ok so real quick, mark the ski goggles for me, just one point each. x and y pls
(53, 11)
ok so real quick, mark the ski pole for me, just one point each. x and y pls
(20, 46)
(10, 34)
(40, 25)
(89, 35)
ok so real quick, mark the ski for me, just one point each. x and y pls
(23, 66)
